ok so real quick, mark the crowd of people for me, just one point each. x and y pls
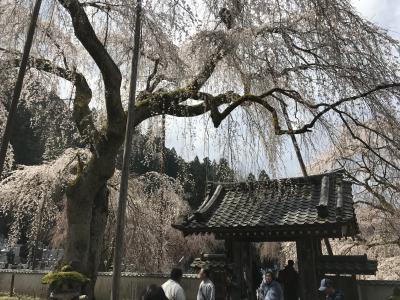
(172, 289)
(284, 287)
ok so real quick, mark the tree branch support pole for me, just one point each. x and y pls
(123, 191)
(294, 142)
(163, 203)
(301, 161)
(18, 84)
(307, 249)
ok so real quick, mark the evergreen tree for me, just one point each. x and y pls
(263, 176)
(251, 177)
(224, 173)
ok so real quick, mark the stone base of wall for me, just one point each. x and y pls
(132, 284)
(28, 282)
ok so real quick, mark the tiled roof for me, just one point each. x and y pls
(319, 205)
(210, 261)
(347, 264)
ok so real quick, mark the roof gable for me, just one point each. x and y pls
(320, 203)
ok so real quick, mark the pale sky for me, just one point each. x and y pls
(197, 136)
(190, 138)
(385, 13)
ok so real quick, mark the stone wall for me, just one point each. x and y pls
(132, 284)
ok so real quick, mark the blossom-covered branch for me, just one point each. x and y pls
(109, 70)
(175, 103)
(83, 94)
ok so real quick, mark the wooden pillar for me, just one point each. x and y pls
(240, 255)
(318, 253)
(354, 286)
(248, 258)
(318, 247)
(307, 251)
(229, 250)
(239, 264)
(233, 257)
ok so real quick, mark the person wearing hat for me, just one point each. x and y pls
(330, 292)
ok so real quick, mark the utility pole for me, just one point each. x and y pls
(18, 84)
(123, 190)
(301, 161)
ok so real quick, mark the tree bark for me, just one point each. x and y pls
(87, 213)
(97, 229)
(79, 219)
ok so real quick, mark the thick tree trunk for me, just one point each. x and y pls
(87, 212)
(87, 219)
(79, 220)
(98, 226)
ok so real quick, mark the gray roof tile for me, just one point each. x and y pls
(293, 202)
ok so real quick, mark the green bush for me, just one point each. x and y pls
(63, 276)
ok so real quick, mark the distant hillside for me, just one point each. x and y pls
(42, 127)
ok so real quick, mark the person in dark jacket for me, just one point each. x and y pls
(154, 292)
(289, 279)
(232, 286)
(328, 289)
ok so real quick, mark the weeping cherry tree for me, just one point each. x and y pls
(313, 64)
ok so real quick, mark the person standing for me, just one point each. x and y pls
(10, 258)
(289, 278)
(232, 286)
(154, 292)
(206, 288)
(270, 289)
(172, 287)
(328, 289)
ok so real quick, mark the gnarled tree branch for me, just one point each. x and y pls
(150, 105)
(222, 48)
(83, 94)
(109, 70)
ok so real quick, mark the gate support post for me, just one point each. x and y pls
(307, 251)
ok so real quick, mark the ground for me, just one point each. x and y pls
(5, 296)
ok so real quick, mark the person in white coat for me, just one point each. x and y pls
(206, 289)
(172, 288)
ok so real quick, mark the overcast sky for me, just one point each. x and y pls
(385, 13)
